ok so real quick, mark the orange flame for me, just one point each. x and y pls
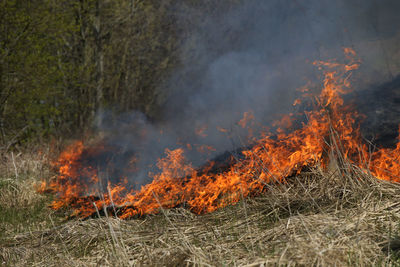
(271, 159)
(201, 131)
(248, 116)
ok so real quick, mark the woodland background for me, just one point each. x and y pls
(63, 61)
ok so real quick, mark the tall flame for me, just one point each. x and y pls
(271, 159)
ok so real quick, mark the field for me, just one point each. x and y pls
(199, 133)
(340, 216)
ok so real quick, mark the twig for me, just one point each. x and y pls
(15, 166)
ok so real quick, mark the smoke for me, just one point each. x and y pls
(251, 59)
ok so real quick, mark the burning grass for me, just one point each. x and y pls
(341, 216)
(83, 183)
(315, 200)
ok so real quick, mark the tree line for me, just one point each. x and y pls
(62, 61)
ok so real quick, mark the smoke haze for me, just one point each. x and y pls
(252, 59)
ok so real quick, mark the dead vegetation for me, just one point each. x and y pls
(341, 216)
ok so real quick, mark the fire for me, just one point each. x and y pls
(385, 163)
(201, 131)
(271, 159)
(248, 116)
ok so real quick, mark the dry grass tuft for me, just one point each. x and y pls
(22, 209)
(19, 173)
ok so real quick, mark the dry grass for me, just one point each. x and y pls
(340, 217)
(21, 208)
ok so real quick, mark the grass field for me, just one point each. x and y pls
(337, 217)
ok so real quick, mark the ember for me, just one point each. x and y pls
(330, 126)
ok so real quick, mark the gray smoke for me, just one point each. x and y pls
(253, 58)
